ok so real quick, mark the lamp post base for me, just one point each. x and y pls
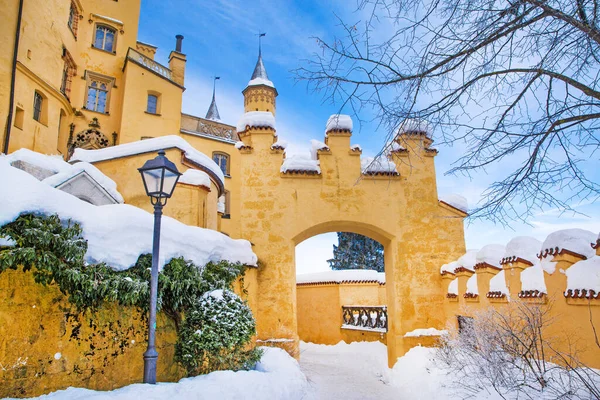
(150, 358)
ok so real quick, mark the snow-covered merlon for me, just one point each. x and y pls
(450, 267)
(532, 279)
(261, 81)
(414, 126)
(341, 276)
(62, 171)
(280, 144)
(584, 275)
(468, 260)
(116, 234)
(195, 177)
(574, 240)
(379, 165)
(356, 147)
(256, 119)
(300, 163)
(315, 147)
(339, 122)
(426, 332)
(456, 200)
(149, 146)
(524, 247)
(491, 254)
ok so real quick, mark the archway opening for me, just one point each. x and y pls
(340, 287)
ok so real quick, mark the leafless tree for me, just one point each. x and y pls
(509, 351)
(514, 81)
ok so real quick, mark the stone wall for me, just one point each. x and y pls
(46, 345)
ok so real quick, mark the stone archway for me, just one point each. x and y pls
(398, 207)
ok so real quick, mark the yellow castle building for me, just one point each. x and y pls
(75, 81)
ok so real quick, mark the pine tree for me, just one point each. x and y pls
(356, 251)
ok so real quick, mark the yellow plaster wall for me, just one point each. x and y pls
(101, 350)
(8, 16)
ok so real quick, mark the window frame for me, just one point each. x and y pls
(90, 78)
(69, 71)
(40, 113)
(74, 17)
(228, 162)
(100, 25)
(158, 96)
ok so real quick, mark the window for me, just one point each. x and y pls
(69, 71)
(227, 208)
(152, 106)
(105, 38)
(38, 104)
(98, 92)
(19, 114)
(73, 19)
(222, 161)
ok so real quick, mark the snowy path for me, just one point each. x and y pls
(333, 372)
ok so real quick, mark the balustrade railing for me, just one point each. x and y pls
(365, 318)
(149, 63)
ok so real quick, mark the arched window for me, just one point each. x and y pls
(105, 38)
(222, 160)
(40, 108)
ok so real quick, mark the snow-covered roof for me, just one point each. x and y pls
(107, 228)
(572, 240)
(342, 276)
(455, 200)
(414, 126)
(338, 122)
(524, 247)
(261, 81)
(584, 275)
(377, 166)
(61, 171)
(148, 146)
(195, 177)
(490, 254)
(300, 163)
(256, 119)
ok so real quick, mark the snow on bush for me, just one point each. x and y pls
(453, 287)
(450, 267)
(426, 332)
(525, 247)
(532, 279)
(276, 376)
(468, 260)
(472, 285)
(338, 122)
(117, 234)
(575, 240)
(149, 146)
(215, 334)
(498, 283)
(491, 254)
(371, 165)
(343, 275)
(300, 162)
(63, 171)
(584, 275)
(456, 201)
(195, 177)
(256, 119)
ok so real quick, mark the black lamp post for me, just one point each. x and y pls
(160, 177)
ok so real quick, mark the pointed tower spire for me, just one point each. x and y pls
(260, 93)
(259, 69)
(213, 111)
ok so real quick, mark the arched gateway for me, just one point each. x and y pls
(287, 200)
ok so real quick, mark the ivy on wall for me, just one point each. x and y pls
(54, 252)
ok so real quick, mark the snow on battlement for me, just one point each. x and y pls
(256, 119)
(467, 261)
(315, 147)
(378, 166)
(498, 286)
(106, 228)
(338, 122)
(149, 146)
(300, 164)
(490, 254)
(414, 126)
(522, 247)
(342, 276)
(571, 240)
(583, 278)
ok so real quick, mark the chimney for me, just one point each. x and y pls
(179, 41)
(177, 62)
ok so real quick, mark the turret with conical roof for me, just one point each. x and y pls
(213, 111)
(260, 93)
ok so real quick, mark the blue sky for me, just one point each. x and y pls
(221, 39)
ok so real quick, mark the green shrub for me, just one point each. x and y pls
(216, 333)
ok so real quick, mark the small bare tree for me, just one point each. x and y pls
(507, 349)
(514, 80)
